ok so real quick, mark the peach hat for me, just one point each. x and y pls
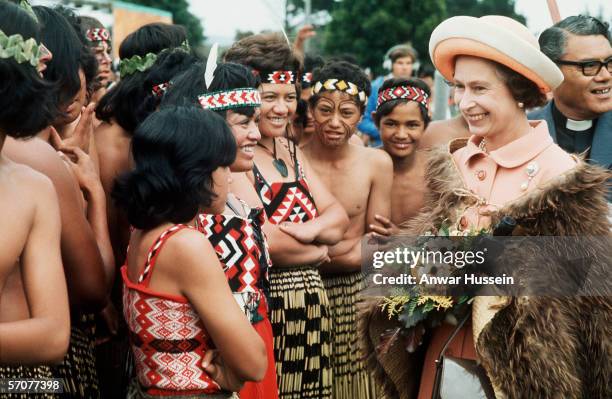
(495, 38)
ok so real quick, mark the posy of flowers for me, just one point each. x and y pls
(413, 306)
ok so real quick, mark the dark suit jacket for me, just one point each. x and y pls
(601, 149)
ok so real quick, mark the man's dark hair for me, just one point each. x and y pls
(341, 70)
(554, 39)
(387, 107)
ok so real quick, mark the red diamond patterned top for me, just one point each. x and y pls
(167, 337)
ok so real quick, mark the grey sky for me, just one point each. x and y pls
(221, 18)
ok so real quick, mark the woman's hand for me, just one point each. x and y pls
(217, 370)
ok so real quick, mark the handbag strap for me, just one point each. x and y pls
(438, 375)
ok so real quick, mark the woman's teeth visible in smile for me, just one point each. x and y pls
(277, 121)
(476, 117)
(247, 149)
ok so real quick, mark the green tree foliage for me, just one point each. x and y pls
(368, 28)
(180, 15)
(478, 8)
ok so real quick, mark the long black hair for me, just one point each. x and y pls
(62, 40)
(131, 100)
(27, 101)
(175, 151)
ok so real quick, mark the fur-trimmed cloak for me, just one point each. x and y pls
(535, 347)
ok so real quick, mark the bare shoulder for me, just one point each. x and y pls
(29, 179)
(39, 155)
(377, 158)
(188, 248)
(112, 141)
(441, 132)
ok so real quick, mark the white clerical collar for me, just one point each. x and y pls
(578, 126)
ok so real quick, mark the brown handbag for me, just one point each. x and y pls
(458, 378)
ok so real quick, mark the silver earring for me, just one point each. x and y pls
(520, 104)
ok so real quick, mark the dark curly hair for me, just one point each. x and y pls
(130, 101)
(264, 52)
(175, 152)
(387, 107)
(522, 89)
(341, 70)
(28, 103)
(191, 84)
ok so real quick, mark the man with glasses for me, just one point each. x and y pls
(579, 116)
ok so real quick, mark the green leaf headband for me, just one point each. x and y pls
(137, 63)
(25, 4)
(21, 50)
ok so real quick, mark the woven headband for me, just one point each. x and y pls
(227, 99)
(160, 89)
(276, 77)
(21, 50)
(97, 35)
(342, 85)
(137, 63)
(410, 93)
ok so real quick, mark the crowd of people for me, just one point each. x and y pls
(192, 228)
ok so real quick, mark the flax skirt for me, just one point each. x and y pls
(351, 379)
(301, 322)
(78, 369)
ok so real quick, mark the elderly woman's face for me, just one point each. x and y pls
(483, 98)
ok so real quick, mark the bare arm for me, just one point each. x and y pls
(329, 227)
(379, 200)
(81, 257)
(86, 174)
(45, 288)
(202, 281)
(287, 251)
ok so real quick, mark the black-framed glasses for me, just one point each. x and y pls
(589, 68)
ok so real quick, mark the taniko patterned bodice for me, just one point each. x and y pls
(286, 201)
(243, 251)
(167, 337)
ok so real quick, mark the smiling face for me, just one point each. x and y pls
(278, 105)
(336, 115)
(402, 129)
(584, 97)
(484, 99)
(245, 131)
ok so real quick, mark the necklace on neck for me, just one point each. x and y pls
(483, 146)
(279, 164)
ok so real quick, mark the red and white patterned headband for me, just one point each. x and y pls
(160, 89)
(276, 77)
(98, 35)
(307, 77)
(227, 99)
(410, 93)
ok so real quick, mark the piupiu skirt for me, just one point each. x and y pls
(301, 322)
(351, 379)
